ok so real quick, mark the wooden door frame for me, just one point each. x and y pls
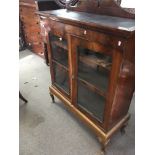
(74, 41)
(49, 48)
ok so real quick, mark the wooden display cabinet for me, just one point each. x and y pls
(92, 63)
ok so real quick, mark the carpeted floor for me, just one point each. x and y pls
(50, 129)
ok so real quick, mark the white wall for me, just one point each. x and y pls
(128, 3)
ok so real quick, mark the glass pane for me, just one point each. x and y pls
(61, 77)
(94, 67)
(59, 50)
(90, 101)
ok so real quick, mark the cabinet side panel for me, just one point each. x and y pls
(125, 84)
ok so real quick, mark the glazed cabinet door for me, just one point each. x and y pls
(59, 63)
(92, 67)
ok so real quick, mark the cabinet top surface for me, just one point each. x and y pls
(124, 24)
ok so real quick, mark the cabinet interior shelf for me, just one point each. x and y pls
(92, 87)
(96, 61)
(87, 59)
(59, 64)
(61, 44)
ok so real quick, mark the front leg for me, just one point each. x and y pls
(122, 130)
(52, 96)
(104, 144)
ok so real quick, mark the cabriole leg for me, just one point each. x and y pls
(122, 130)
(52, 96)
(104, 144)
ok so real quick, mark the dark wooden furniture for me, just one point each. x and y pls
(91, 49)
(31, 27)
(31, 24)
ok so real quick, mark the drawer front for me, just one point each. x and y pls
(107, 40)
(33, 37)
(30, 13)
(26, 10)
(33, 23)
(104, 39)
(88, 34)
(29, 20)
(31, 28)
(58, 28)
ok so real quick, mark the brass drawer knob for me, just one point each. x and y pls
(85, 32)
(60, 39)
(119, 43)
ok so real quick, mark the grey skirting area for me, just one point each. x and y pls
(50, 129)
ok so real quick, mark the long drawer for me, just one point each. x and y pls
(107, 40)
(29, 20)
(33, 37)
(31, 28)
(102, 38)
(26, 10)
(58, 28)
